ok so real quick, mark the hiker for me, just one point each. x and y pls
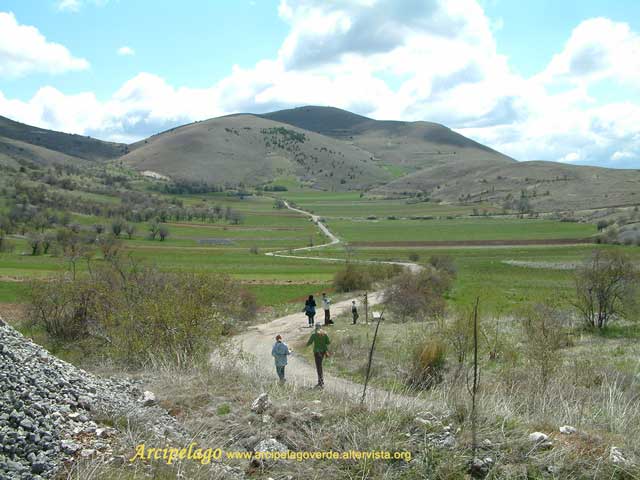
(354, 311)
(310, 309)
(321, 343)
(326, 305)
(280, 351)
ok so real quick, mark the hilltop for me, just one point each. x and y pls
(409, 145)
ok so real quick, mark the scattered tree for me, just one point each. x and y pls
(163, 232)
(605, 287)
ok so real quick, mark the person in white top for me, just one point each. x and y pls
(326, 305)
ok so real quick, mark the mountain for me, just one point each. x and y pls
(249, 149)
(331, 149)
(20, 142)
(408, 146)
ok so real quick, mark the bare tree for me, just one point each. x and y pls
(154, 229)
(116, 226)
(35, 242)
(130, 229)
(605, 286)
(163, 232)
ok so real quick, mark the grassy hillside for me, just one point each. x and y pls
(253, 151)
(409, 145)
(25, 142)
(547, 186)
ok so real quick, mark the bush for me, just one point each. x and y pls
(140, 314)
(444, 263)
(352, 278)
(606, 286)
(418, 294)
(6, 245)
(544, 332)
(428, 362)
(414, 257)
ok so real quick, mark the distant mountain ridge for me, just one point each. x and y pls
(327, 148)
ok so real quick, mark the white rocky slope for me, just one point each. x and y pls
(47, 406)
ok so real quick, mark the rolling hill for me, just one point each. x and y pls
(252, 150)
(330, 149)
(547, 186)
(21, 142)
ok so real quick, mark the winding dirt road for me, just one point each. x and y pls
(259, 339)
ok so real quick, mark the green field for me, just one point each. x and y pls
(484, 272)
(352, 205)
(457, 229)
(201, 247)
(219, 247)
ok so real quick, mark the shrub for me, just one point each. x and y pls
(444, 263)
(414, 257)
(6, 245)
(352, 278)
(140, 314)
(416, 294)
(605, 286)
(428, 362)
(544, 333)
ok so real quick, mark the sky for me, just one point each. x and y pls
(535, 79)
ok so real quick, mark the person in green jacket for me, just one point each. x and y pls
(320, 341)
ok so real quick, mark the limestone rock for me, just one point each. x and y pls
(261, 404)
(567, 430)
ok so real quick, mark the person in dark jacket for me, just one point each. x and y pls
(320, 341)
(354, 311)
(280, 351)
(310, 309)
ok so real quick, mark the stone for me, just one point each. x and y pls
(448, 442)
(39, 467)
(616, 456)
(479, 468)
(270, 445)
(486, 443)
(567, 430)
(538, 437)
(261, 404)
(148, 399)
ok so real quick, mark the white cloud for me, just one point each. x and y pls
(617, 156)
(126, 51)
(76, 5)
(395, 59)
(69, 5)
(598, 48)
(570, 157)
(24, 50)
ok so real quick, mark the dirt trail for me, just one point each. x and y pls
(259, 339)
